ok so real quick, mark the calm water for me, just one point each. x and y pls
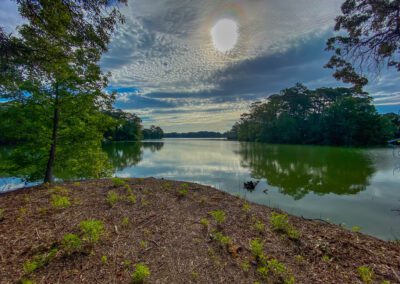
(354, 187)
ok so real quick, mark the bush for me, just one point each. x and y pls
(366, 274)
(280, 223)
(141, 273)
(91, 230)
(257, 248)
(117, 182)
(60, 202)
(112, 198)
(218, 215)
(71, 243)
(39, 261)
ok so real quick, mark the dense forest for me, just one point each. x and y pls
(325, 116)
(199, 134)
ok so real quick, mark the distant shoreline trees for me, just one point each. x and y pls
(325, 116)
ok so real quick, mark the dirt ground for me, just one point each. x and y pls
(165, 228)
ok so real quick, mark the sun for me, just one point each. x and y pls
(225, 35)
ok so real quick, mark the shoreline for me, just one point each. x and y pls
(167, 225)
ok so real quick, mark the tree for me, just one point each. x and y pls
(51, 69)
(154, 132)
(369, 38)
(127, 127)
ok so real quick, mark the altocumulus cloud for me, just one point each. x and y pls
(166, 68)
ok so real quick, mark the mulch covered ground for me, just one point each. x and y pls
(162, 229)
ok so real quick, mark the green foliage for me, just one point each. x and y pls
(326, 258)
(125, 221)
(218, 215)
(60, 202)
(112, 198)
(127, 126)
(183, 192)
(117, 182)
(366, 274)
(39, 261)
(356, 229)
(27, 281)
(246, 207)
(141, 273)
(91, 230)
(263, 271)
(222, 239)
(259, 226)
(323, 116)
(104, 259)
(257, 248)
(245, 266)
(204, 222)
(71, 243)
(143, 244)
(131, 198)
(280, 223)
(154, 132)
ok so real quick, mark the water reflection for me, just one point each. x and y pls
(298, 170)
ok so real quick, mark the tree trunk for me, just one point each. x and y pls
(49, 177)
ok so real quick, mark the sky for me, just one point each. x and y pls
(190, 65)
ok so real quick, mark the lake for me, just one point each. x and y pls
(353, 187)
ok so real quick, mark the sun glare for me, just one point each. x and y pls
(225, 34)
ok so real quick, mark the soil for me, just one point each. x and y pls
(163, 230)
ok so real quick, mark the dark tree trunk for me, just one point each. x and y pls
(49, 177)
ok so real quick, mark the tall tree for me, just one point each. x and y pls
(369, 37)
(52, 68)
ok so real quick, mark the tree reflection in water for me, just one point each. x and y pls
(299, 170)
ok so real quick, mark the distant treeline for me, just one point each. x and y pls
(325, 116)
(199, 134)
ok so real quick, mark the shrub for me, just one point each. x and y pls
(117, 182)
(39, 261)
(91, 230)
(221, 239)
(366, 274)
(218, 215)
(246, 207)
(141, 273)
(204, 222)
(60, 202)
(112, 198)
(280, 223)
(104, 260)
(257, 248)
(71, 243)
(183, 192)
(125, 221)
(259, 226)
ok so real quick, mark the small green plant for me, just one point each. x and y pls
(143, 244)
(141, 273)
(257, 248)
(366, 274)
(117, 182)
(356, 229)
(71, 243)
(218, 215)
(125, 222)
(299, 259)
(205, 222)
(104, 260)
(326, 258)
(195, 275)
(27, 281)
(222, 239)
(1, 214)
(59, 201)
(39, 261)
(259, 226)
(131, 198)
(289, 280)
(276, 267)
(246, 207)
(245, 266)
(263, 271)
(91, 230)
(183, 192)
(112, 198)
(185, 185)
(280, 223)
